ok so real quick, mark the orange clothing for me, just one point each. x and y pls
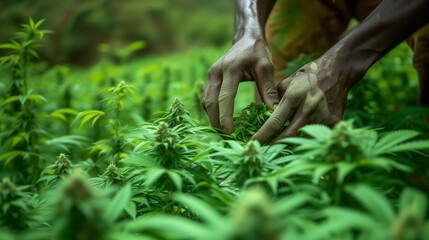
(313, 26)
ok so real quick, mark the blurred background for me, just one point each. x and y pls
(87, 30)
(164, 49)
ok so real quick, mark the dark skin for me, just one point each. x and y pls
(316, 93)
(248, 59)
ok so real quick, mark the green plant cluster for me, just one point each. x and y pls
(77, 162)
(89, 30)
(250, 120)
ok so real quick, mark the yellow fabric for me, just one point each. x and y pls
(419, 42)
(312, 26)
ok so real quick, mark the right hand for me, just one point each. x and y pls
(248, 59)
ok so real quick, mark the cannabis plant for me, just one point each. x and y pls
(21, 132)
(113, 149)
(122, 55)
(84, 213)
(24, 141)
(113, 175)
(243, 165)
(334, 157)
(253, 215)
(167, 150)
(249, 121)
(177, 115)
(377, 218)
(18, 206)
(164, 157)
(23, 48)
(57, 171)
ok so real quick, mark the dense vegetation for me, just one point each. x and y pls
(82, 28)
(124, 151)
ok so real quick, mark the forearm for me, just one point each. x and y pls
(251, 16)
(389, 24)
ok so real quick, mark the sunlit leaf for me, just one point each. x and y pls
(89, 115)
(62, 113)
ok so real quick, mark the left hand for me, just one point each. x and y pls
(316, 93)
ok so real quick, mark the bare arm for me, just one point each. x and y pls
(251, 16)
(248, 59)
(389, 24)
(317, 93)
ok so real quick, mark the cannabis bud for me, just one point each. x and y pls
(62, 165)
(113, 174)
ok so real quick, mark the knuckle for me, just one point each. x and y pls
(225, 96)
(207, 103)
(272, 97)
(203, 103)
(213, 71)
(270, 90)
(228, 66)
(265, 66)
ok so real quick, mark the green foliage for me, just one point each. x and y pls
(249, 164)
(57, 171)
(177, 115)
(139, 175)
(346, 155)
(166, 156)
(16, 205)
(249, 121)
(111, 176)
(90, 115)
(123, 54)
(79, 33)
(83, 213)
(22, 50)
(24, 140)
(378, 218)
(111, 149)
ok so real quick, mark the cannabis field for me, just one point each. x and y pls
(123, 150)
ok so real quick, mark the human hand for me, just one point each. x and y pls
(316, 93)
(248, 59)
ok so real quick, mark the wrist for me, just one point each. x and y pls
(251, 32)
(250, 18)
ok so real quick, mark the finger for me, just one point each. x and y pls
(274, 123)
(265, 84)
(211, 94)
(292, 130)
(228, 91)
(257, 97)
(303, 117)
(282, 86)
